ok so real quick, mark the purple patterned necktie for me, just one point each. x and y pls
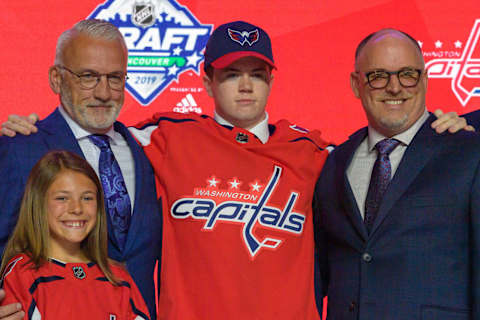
(381, 176)
(117, 200)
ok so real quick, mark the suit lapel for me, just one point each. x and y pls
(421, 149)
(344, 157)
(59, 134)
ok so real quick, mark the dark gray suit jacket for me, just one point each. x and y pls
(422, 258)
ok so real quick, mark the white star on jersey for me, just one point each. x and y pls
(234, 183)
(255, 186)
(213, 182)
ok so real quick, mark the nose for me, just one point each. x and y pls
(394, 85)
(102, 91)
(245, 83)
(75, 206)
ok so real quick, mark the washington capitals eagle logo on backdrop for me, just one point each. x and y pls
(244, 36)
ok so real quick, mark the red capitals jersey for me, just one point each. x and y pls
(238, 226)
(77, 291)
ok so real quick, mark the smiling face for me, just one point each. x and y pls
(93, 109)
(240, 91)
(71, 205)
(393, 109)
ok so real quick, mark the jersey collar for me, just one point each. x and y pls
(260, 130)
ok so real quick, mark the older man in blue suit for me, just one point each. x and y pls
(399, 206)
(89, 77)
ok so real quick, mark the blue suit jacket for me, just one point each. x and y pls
(421, 260)
(143, 246)
(473, 118)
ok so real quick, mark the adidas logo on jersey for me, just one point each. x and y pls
(188, 104)
(247, 213)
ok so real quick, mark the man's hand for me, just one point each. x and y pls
(20, 124)
(11, 311)
(450, 121)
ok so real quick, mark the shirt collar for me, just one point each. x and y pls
(80, 133)
(260, 130)
(404, 137)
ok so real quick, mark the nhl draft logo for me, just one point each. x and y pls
(464, 72)
(79, 273)
(244, 36)
(248, 209)
(164, 40)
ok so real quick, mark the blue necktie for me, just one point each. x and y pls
(117, 201)
(381, 176)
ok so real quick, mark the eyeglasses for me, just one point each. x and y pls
(379, 79)
(90, 80)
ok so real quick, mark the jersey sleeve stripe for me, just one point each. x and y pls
(9, 269)
(138, 312)
(33, 312)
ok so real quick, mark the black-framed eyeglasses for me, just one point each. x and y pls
(89, 79)
(379, 79)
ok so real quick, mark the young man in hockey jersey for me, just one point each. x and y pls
(238, 232)
(238, 228)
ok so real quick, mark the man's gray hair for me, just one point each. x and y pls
(94, 28)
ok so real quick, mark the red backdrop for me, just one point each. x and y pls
(313, 43)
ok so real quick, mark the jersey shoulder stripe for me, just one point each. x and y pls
(121, 284)
(40, 280)
(307, 139)
(157, 121)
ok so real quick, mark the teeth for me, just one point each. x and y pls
(75, 224)
(393, 101)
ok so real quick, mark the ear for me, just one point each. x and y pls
(354, 84)
(270, 84)
(425, 78)
(54, 79)
(207, 83)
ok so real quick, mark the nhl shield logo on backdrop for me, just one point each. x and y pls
(143, 14)
(164, 40)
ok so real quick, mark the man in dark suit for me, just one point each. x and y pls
(89, 77)
(406, 248)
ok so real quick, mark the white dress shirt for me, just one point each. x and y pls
(119, 147)
(360, 169)
(260, 130)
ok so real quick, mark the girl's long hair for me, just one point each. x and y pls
(31, 234)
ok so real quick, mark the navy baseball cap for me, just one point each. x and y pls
(235, 40)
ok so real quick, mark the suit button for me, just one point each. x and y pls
(352, 306)
(366, 257)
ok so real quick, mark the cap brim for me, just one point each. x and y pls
(230, 58)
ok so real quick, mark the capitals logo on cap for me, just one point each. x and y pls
(235, 40)
(242, 37)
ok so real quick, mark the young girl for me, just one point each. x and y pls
(55, 263)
